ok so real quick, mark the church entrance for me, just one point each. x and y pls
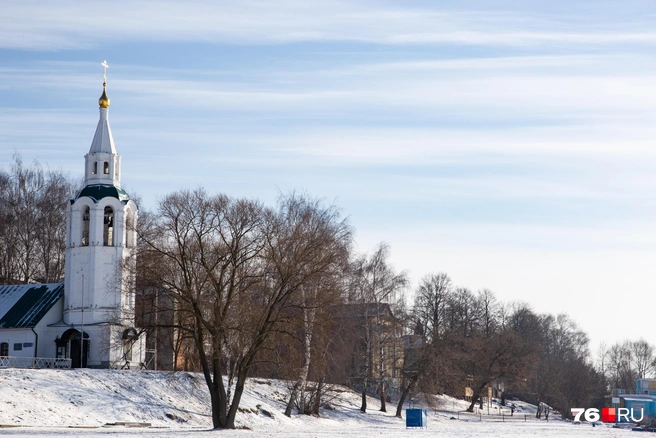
(69, 346)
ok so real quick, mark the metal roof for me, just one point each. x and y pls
(98, 191)
(103, 141)
(638, 397)
(23, 305)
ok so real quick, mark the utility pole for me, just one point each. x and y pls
(82, 333)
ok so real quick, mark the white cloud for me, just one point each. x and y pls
(443, 145)
(76, 24)
(566, 89)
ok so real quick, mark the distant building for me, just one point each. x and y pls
(367, 333)
(646, 386)
(643, 401)
(88, 320)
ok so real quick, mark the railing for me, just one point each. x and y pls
(503, 417)
(34, 362)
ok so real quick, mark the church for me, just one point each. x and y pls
(88, 320)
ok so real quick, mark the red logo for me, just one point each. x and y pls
(608, 415)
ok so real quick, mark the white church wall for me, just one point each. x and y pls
(95, 168)
(21, 341)
(46, 335)
(98, 346)
(126, 353)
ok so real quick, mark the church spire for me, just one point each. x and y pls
(104, 100)
(102, 161)
(103, 140)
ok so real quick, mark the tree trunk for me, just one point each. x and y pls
(473, 403)
(367, 364)
(317, 397)
(213, 378)
(476, 397)
(381, 372)
(405, 390)
(298, 393)
(399, 406)
(292, 400)
(239, 390)
(383, 407)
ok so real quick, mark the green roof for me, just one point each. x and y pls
(99, 191)
(23, 305)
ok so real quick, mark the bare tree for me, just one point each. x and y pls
(33, 223)
(565, 376)
(489, 310)
(620, 365)
(431, 303)
(602, 357)
(428, 319)
(377, 286)
(642, 354)
(463, 313)
(322, 289)
(234, 267)
(502, 356)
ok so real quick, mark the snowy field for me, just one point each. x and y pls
(81, 403)
(352, 429)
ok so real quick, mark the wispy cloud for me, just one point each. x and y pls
(74, 24)
(566, 88)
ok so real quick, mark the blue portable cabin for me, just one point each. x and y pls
(639, 402)
(642, 408)
(416, 418)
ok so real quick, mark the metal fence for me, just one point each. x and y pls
(503, 417)
(34, 362)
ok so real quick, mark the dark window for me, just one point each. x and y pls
(106, 170)
(108, 227)
(85, 227)
(95, 168)
(18, 346)
(4, 349)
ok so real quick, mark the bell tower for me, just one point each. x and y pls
(101, 235)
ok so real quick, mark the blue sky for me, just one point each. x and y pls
(509, 144)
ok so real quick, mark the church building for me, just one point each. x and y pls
(88, 320)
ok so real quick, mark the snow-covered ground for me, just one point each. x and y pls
(80, 403)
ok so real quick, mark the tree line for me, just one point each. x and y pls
(237, 288)
(475, 337)
(33, 223)
(280, 293)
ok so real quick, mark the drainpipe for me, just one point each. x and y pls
(36, 342)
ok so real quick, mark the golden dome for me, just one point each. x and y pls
(104, 100)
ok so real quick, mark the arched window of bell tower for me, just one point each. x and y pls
(108, 227)
(129, 230)
(95, 168)
(106, 168)
(85, 226)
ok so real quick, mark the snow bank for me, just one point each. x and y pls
(77, 403)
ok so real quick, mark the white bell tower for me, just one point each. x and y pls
(101, 235)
